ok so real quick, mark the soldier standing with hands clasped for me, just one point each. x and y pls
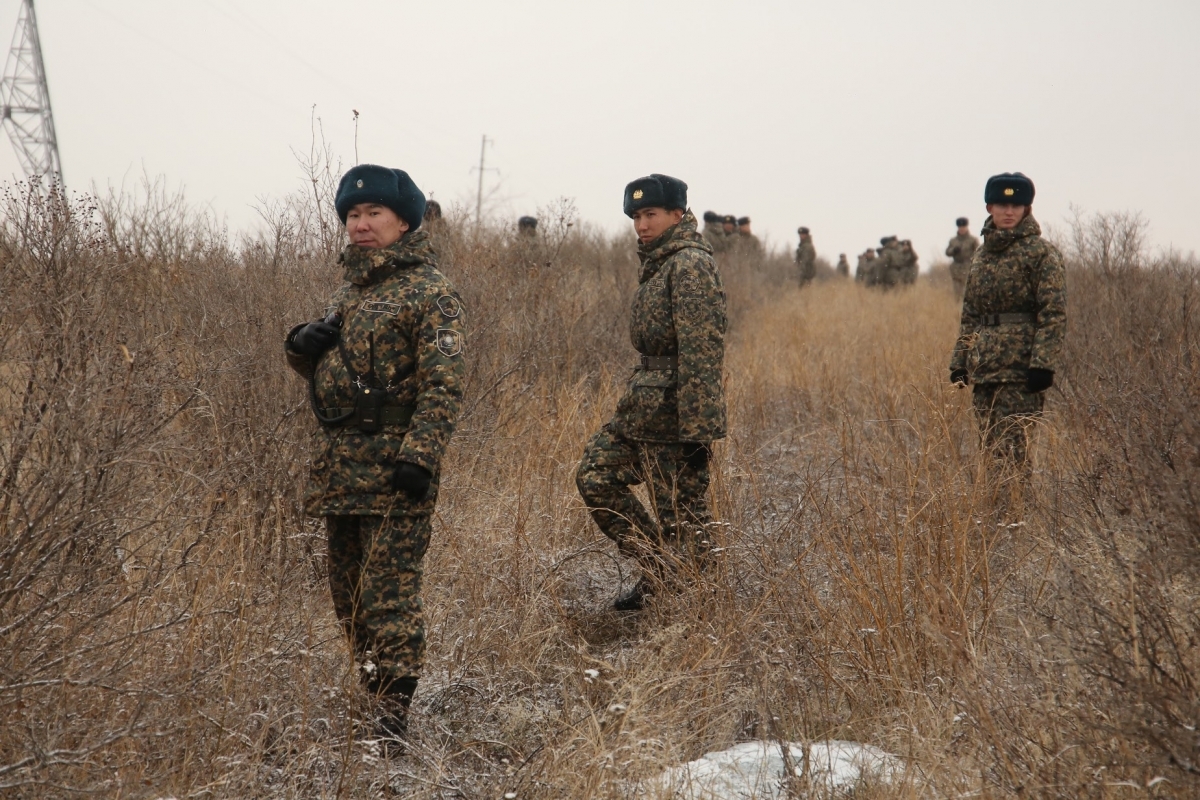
(1013, 320)
(385, 373)
(674, 406)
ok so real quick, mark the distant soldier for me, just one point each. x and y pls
(674, 407)
(961, 250)
(747, 243)
(433, 211)
(843, 266)
(729, 225)
(864, 273)
(909, 258)
(890, 267)
(713, 233)
(527, 226)
(385, 373)
(806, 257)
(1014, 318)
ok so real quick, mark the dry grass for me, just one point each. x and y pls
(165, 629)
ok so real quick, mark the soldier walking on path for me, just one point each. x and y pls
(806, 257)
(961, 250)
(385, 374)
(674, 406)
(1013, 321)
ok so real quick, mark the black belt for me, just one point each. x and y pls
(660, 362)
(992, 320)
(390, 415)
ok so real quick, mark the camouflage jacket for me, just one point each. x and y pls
(890, 265)
(962, 247)
(806, 257)
(396, 297)
(1014, 271)
(714, 234)
(679, 310)
(748, 244)
(843, 266)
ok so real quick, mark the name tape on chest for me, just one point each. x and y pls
(381, 307)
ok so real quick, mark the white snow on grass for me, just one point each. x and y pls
(755, 771)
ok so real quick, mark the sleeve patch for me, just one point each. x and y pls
(449, 306)
(449, 342)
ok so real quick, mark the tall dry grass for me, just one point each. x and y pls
(165, 628)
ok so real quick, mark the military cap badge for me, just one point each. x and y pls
(637, 194)
(1009, 192)
(359, 184)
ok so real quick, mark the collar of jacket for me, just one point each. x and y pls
(366, 265)
(680, 236)
(996, 240)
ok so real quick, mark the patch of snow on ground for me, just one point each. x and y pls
(755, 771)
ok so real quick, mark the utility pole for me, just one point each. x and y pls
(25, 101)
(482, 169)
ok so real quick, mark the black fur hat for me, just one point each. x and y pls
(803, 231)
(743, 221)
(391, 188)
(712, 216)
(527, 222)
(655, 191)
(962, 222)
(729, 219)
(1009, 187)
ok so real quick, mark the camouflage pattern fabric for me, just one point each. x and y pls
(677, 490)
(714, 234)
(748, 245)
(890, 266)
(1005, 411)
(678, 310)
(806, 258)
(1014, 271)
(397, 297)
(375, 579)
(908, 264)
(865, 271)
(961, 250)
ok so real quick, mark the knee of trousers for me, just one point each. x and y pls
(595, 483)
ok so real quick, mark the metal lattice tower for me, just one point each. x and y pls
(25, 101)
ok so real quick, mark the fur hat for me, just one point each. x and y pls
(1012, 188)
(655, 191)
(392, 188)
(527, 222)
(743, 221)
(712, 216)
(962, 222)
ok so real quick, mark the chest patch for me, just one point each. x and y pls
(449, 306)
(381, 307)
(449, 342)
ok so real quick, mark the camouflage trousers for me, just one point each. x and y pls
(678, 491)
(375, 580)
(958, 276)
(1005, 412)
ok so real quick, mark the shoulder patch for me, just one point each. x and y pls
(449, 306)
(449, 342)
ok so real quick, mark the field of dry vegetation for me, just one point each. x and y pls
(165, 628)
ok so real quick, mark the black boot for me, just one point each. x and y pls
(635, 598)
(394, 699)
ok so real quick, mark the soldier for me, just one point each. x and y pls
(1013, 320)
(385, 373)
(865, 271)
(908, 261)
(843, 266)
(806, 257)
(747, 242)
(527, 226)
(433, 212)
(961, 249)
(729, 225)
(713, 233)
(674, 407)
(890, 264)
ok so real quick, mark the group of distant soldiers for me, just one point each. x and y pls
(729, 233)
(893, 263)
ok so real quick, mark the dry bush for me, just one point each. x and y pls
(165, 628)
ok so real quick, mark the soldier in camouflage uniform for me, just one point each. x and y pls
(909, 268)
(385, 374)
(806, 257)
(843, 266)
(713, 233)
(961, 250)
(864, 273)
(1013, 320)
(747, 243)
(674, 407)
(889, 267)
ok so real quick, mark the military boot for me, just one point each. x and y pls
(393, 699)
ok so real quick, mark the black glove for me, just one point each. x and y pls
(959, 377)
(314, 338)
(412, 480)
(1039, 380)
(696, 455)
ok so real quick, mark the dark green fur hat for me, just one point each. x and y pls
(391, 188)
(1012, 188)
(655, 191)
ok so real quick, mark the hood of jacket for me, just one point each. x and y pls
(366, 265)
(678, 237)
(996, 240)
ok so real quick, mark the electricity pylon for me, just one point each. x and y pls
(25, 101)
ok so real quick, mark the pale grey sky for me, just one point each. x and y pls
(857, 119)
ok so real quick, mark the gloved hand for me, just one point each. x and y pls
(959, 377)
(1039, 380)
(314, 338)
(412, 480)
(697, 454)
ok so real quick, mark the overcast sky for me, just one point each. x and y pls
(857, 119)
